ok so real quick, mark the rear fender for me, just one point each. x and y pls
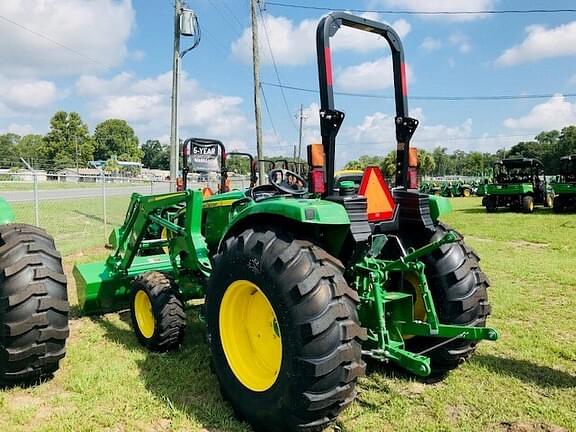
(322, 221)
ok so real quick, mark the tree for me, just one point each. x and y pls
(155, 155)
(426, 162)
(115, 137)
(8, 154)
(68, 143)
(32, 149)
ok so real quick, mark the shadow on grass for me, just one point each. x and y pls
(90, 216)
(183, 379)
(542, 376)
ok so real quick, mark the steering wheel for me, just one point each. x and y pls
(287, 181)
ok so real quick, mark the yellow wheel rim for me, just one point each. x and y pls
(466, 193)
(144, 315)
(531, 205)
(164, 236)
(250, 335)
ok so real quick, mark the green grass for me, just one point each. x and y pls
(526, 381)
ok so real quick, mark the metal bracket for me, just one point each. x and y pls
(331, 120)
(405, 128)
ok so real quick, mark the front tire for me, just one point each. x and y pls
(528, 204)
(490, 203)
(304, 372)
(459, 289)
(33, 305)
(157, 312)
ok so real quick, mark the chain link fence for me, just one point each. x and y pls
(81, 210)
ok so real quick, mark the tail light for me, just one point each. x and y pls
(317, 181)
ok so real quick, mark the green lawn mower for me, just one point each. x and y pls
(33, 303)
(301, 284)
(520, 184)
(565, 187)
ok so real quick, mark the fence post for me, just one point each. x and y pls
(104, 210)
(151, 187)
(36, 206)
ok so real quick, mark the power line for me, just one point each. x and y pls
(230, 23)
(232, 13)
(55, 42)
(432, 98)
(408, 12)
(276, 67)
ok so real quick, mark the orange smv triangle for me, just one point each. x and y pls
(380, 201)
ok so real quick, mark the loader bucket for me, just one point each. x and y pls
(100, 291)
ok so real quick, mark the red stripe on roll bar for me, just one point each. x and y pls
(404, 80)
(328, 56)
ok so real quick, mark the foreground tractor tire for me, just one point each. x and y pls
(528, 204)
(33, 305)
(157, 312)
(459, 288)
(283, 330)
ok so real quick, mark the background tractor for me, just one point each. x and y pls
(33, 302)
(565, 187)
(301, 284)
(520, 184)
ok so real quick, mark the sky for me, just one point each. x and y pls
(112, 59)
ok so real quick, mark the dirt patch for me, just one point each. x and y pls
(528, 427)
(22, 401)
(527, 244)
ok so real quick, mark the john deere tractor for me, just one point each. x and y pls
(520, 184)
(302, 284)
(33, 302)
(565, 187)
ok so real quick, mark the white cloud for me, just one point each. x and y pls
(541, 43)
(444, 5)
(20, 129)
(295, 43)
(430, 44)
(97, 29)
(145, 104)
(461, 42)
(371, 75)
(23, 93)
(555, 113)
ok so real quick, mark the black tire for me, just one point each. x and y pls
(528, 204)
(558, 204)
(459, 289)
(167, 309)
(490, 203)
(317, 320)
(33, 305)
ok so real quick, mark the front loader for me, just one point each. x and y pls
(302, 284)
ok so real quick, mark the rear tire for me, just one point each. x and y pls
(490, 204)
(316, 320)
(157, 312)
(558, 204)
(528, 204)
(459, 289)
(33, 305)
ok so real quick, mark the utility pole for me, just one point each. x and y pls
(174, 140)
(302, 117)
(256, 72)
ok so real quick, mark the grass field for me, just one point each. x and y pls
(525, 382)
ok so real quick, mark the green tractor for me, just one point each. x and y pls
(301, 284)
(520, 184)
(33, 302)
(565, 187)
